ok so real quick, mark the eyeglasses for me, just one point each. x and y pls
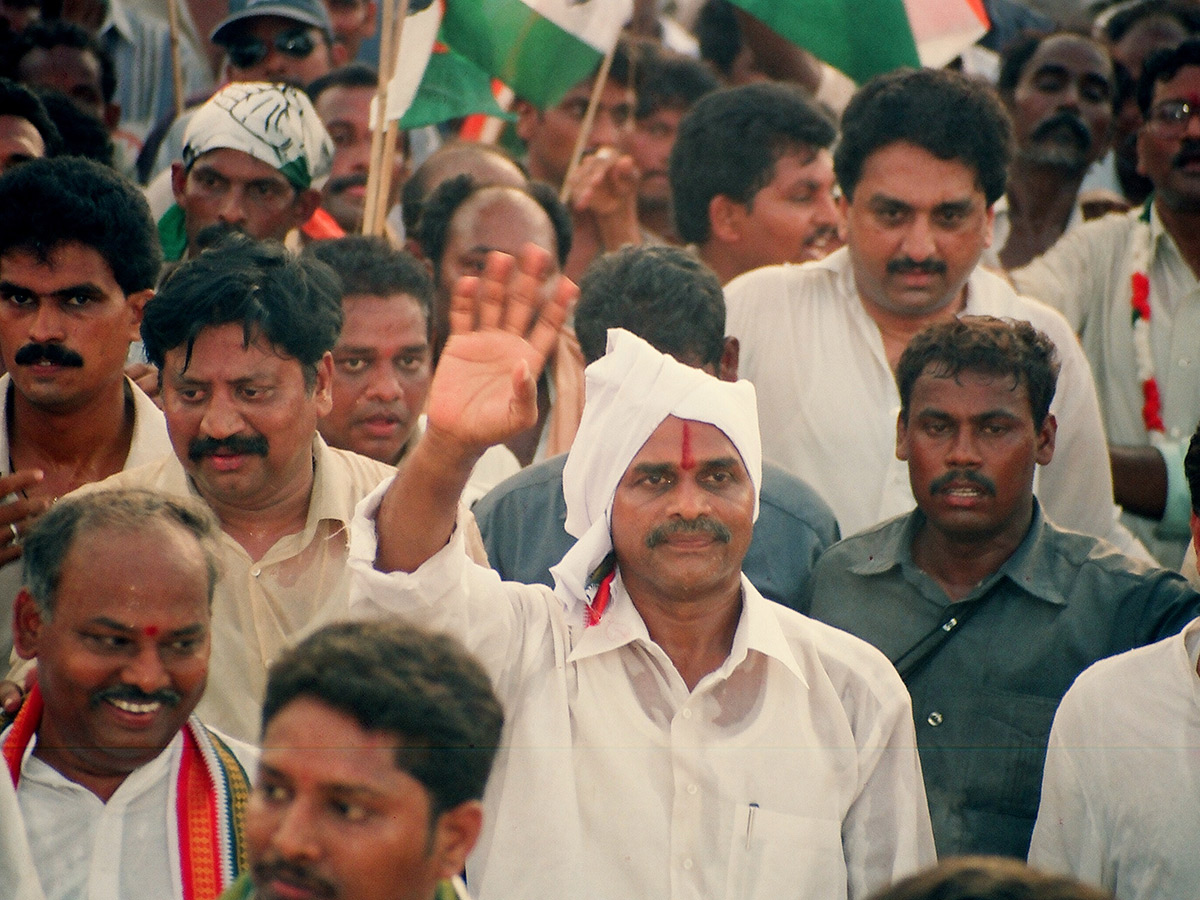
(1170, 118)
(250, 51)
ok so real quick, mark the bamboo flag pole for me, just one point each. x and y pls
(589, 117)
(387, 63)
(176, 65)
(388, 158)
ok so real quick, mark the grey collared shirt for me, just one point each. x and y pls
(984, 700)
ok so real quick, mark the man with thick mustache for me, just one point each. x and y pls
(1060, 89)
(922, 158)
(987, 609)
(78, 260)
(123, 792)
(242, 337)
(1128, 284)
(671, 732)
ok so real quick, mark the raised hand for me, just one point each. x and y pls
(503, 326)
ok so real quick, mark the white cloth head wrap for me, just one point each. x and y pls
(630, 391)
(274, 123)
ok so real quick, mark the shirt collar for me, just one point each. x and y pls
(117, 18)
(757, 631)
(1028, 568)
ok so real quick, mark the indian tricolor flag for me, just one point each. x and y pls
(539, 48)
(865, 38)
(432, 83)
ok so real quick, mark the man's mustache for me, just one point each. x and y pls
(1068, 120)
(130, 694)
(699, 525)
(1188, 153)
(293, 874)
(905, 266)
(958, 476)
(343, 182)
(55, 354)
(235, 444)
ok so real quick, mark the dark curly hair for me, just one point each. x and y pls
(984, 344)
(295, 302)
(423, 688)
(947, 114)
(52, 202)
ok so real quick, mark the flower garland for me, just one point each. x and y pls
(1139, 301)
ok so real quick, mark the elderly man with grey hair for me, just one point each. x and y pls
(124, 793)
(671, 732)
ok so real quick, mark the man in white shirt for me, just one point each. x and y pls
(1128, 286)
(1121, 788)
(671, 732)
(124, 793)
(77, 267)
(921, 160)
(242, 337)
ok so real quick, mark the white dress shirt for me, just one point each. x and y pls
(791, 770)
(828, 401)
(1121, 790)
(17, 873)
(86, 849)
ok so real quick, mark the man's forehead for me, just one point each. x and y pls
(237, 164)
(1069, 51)
(983, 389)
(1186, 81)
(675, 439)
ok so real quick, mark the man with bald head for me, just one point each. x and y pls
(727, 731)
(462, 222)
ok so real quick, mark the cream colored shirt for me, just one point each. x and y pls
(263, 606)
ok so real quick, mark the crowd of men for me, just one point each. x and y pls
(842, 519)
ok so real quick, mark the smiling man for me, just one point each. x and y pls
(377, 743)
(726, 731)
(922, 157)
(242, 337)
(987, 609)
(124, 792)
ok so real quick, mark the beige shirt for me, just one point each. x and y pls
(263, 606)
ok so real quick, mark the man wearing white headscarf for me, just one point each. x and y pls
(670, 732)
(250, 157)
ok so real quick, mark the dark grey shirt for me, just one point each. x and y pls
(990, 670)
(522, 521)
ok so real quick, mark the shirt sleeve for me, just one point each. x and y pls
(1071, 276)
(1067, 837)
(507, 626)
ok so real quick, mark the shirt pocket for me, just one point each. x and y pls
(779, 855)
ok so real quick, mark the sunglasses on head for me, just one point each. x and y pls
(245, 52)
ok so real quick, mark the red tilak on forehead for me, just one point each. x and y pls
(687, 462)
(151, 631)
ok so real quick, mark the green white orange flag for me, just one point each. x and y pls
(865, 38)
(539, 48)
(432, 83)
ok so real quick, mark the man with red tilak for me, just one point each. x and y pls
(671, 732)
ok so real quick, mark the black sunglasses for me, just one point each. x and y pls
(250, 51)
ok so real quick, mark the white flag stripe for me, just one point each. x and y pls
(595, 22)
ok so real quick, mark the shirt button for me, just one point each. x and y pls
(687, 713)
(691, 789)
(687, 864)
(935, 719)
(256, 572)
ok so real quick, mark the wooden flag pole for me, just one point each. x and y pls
(387, 63)
(388, 157)
(176, 65)
(589, 117)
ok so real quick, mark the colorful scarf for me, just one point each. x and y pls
(211, 792)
